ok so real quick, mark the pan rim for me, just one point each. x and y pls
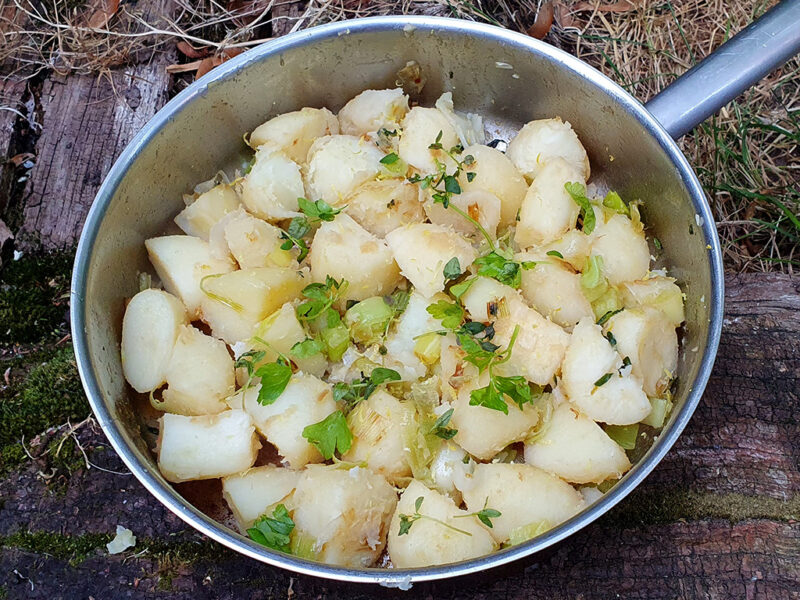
(387, 577)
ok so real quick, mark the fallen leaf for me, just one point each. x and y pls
(618, 7)
(102, 14)
(543, 22)
(190, 51)
(184, 68)
(214, 61)
(20, 158)
(563, 16)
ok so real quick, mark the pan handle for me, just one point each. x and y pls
(738, 64)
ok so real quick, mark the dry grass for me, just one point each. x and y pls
(746, 156)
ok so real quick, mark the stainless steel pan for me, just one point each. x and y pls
(506, 76)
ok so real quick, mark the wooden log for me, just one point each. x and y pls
(716, 519)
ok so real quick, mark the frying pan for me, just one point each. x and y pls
(507, 77)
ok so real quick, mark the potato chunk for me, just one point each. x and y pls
(198, 218)
(574, 246)
(555, 291)
(338, 164)
(182, 261)
(618, 401)
(421, 127)
(294, 132)
(206, 447)
(237, 301)
(522, 494)
(256, 492)
(345, 250)
(377, 426)
(346, 512)
(149, 329)
(401, 343)
(540, 345)
(199, 375)
(482, 206)
(449, 472)
(576, 449)
(256, 243)
(423, 249)
(282, 330)
(429, 542)
(482, 431)
(305, 401)
(660, 293)
(497, 175)
(548, 211)
(271, 189)
(539, 142)
(647, 337)
(373, 109)
(626, 256)
(383, 206)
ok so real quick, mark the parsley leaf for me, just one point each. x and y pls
(249, 360)
(318, 211)
(321, 296)
(578, 193)
(459, 289)
(354, 392)
(452, 270)
(493, 395)
(615, 203)
(440, 428)
(330, 434)
(449, 313)
(273, 532)
(274, 379)
(502, 269)
(307, 348)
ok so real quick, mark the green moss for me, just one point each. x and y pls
(3, 592)
(50, 395)
(657, 508)
(75, 549)
(34, 297)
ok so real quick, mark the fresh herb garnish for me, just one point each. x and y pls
(452, 270)
(356, 391)
(657, 244)
(406, 521)
(603, 380)
(615, 203)
(493, 395)
(611, 339)
(451, 314)
(502, 268)
(485, 515)
(607, 315)
(394, 164)
(321, 297)
(274, 379)
(440, 428)
(330, 435)
(555, 253)
(300, 227)
(273, 532)
(307, 348)
(578, 193)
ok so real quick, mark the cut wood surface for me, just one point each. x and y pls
(717, 519)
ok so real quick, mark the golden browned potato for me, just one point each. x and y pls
(294, 132)
(576, 449)
(206, 447)
(345, 511)
(150, 327)
(343, 249)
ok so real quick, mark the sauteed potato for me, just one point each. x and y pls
(398, 345)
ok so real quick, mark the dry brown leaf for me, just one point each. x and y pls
(103, 13)
(543, 21)
(207, 64)
(190, 51)
(619, 6)
(20, 158)
(563, 16)
(183, 68)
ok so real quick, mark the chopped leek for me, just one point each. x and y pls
(367, 319)
(336, 340)
(659, 410)
(527, 532)
(593, 283)
(615, 203)
(303, 545)
(624, 435)
(428, 347)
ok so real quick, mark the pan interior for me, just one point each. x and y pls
(509, 81)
